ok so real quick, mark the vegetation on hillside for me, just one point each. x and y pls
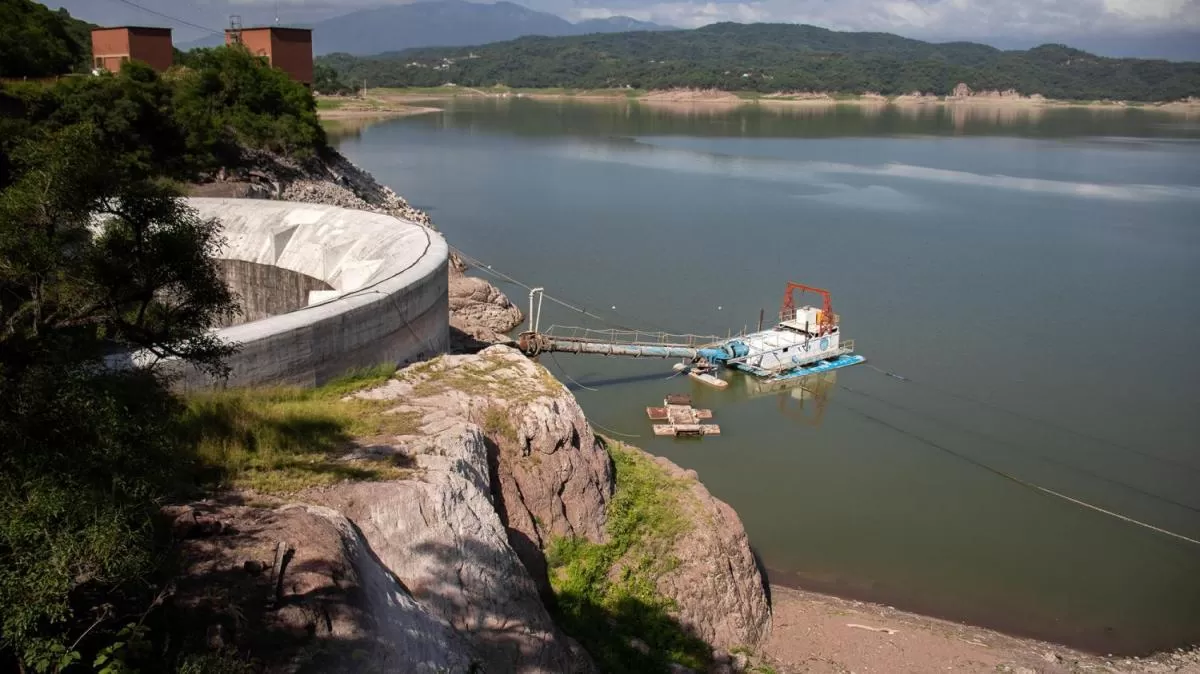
(38, 42)
(606, 594)
(100, 256)
(774, 58)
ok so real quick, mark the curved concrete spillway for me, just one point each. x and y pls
(389, 301)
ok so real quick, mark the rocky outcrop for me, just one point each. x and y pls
(718, 591)
(298, 588)
(440, 536)
(476, 303)
(549, 476)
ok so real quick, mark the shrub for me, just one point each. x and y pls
(229, 98)
(606, 594)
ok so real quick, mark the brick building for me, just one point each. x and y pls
(113, 46)
(289, 49)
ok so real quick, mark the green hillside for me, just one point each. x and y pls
(38, 42)
(777, 57)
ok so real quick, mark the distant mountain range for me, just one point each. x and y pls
(445, 23)
(769, 58)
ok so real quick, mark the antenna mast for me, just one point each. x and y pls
(235, 29)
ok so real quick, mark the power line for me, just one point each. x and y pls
(170, 18)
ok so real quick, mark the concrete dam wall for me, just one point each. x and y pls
(388, 300)
(265, 290)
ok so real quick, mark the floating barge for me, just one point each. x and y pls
(806, 341)
(682, 419)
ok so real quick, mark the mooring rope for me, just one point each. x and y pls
(1036, 420)
(1017, 480)
(487, 269)
(568, 374)
(611, 431)
(1063, 464)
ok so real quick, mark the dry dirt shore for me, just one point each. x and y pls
(819, 634)
(373, 110)
(709, 97)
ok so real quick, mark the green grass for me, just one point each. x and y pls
(329, 103)
(485, 377)
(606, 594)
(496, 422)
(282, 440)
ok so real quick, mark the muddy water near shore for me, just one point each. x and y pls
(1035, 277)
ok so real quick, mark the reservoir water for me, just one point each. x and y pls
(1033, 274)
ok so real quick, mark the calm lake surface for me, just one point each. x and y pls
(1035, 275)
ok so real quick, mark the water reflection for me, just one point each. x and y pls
(803, 400)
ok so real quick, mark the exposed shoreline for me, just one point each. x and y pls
(346, 113)
(816, 632)
(713, 98)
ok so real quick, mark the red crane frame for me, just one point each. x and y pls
(788, 310)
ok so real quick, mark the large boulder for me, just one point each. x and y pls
(299, 588)
(549, 475)
(440, 536)
(474, 301)
(718, 591)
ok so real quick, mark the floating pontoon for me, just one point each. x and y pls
(807, 340)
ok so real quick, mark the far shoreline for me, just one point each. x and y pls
(719, 98)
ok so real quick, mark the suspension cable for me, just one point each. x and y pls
(488, 269)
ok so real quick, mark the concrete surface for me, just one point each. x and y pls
(264, 290)
(388, 304)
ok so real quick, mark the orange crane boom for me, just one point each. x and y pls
(788, 310)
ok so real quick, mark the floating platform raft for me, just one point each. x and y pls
(702, 377)
(682, 418)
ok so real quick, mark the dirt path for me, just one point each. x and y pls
(819, 634)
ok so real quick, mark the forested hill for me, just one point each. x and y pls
(38, 42)
(778, 57)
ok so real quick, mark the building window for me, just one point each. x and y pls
(99, 62)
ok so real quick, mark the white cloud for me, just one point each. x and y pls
(1012, 22)
(932, 18)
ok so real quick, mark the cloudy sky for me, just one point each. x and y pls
(1164, 28)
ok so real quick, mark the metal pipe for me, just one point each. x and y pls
(637, 351)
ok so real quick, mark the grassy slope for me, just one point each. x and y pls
(606, 593)
(279, 440)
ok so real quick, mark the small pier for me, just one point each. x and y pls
(682, 419)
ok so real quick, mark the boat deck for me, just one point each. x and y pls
(843, 360)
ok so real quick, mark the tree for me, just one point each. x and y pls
(97, 257)
(327, 81)
(36, 42)
(229, 99)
